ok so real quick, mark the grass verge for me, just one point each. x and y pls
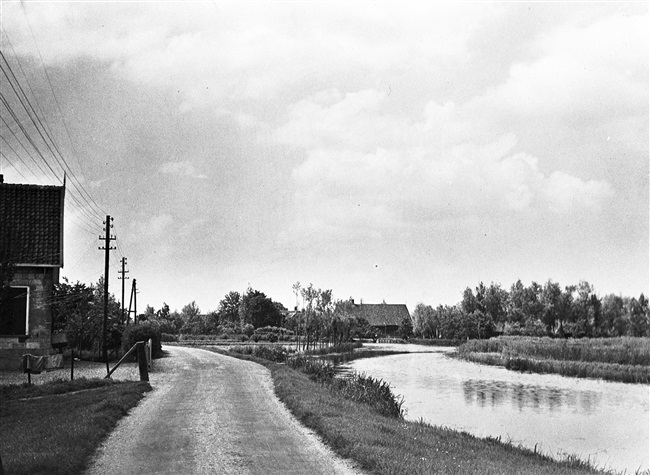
(623, 359)
(55, 428)
(393, 446)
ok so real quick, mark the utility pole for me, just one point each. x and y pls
(123, 278)
(128, 315)
(135, 302)
(107, 248)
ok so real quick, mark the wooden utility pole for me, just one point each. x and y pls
(107, 248)
(128, 315)
(123, 278)
(135, 302)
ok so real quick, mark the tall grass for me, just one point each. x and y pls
(376, 393)
(621, 350)
(624, 359)
(341, 348)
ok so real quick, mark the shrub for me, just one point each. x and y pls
(248, 329)
(244, 338)
(168, 337)
(361, 388)
(142, 332)
(274, 353)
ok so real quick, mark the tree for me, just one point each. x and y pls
(515, 309)
(259, 310)
(422, 317)
(406, 327)
(552, 302)
(638, 316)
(494, 302)
(613, 315)
(229, 308)
(193, 323)
(77, 310)
(469, 303)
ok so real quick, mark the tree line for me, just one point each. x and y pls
(534, 310)
(316, 319)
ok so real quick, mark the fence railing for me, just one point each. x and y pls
(143, 350)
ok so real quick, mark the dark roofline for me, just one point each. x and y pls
(27, 187)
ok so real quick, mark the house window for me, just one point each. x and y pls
(13, 311)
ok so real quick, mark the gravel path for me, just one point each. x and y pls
(209, 413)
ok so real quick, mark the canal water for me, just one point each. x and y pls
(603, 422)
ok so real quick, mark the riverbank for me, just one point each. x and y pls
(389, 445)
(623, 359)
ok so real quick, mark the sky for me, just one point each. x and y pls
(389, 151)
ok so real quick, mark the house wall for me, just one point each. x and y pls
(40, 281)
(387, 330)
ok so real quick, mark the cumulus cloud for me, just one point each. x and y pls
(185, 168)
(414, 174)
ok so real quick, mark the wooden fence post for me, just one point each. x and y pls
(142, 362)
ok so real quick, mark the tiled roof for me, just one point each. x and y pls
(381, 314)
(31, 223)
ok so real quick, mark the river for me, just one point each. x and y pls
(604, 422)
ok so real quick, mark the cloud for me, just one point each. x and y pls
(184, 168)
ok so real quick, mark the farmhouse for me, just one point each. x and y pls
(31, 255)
(385, 318)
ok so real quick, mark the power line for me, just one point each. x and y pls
(46, 137)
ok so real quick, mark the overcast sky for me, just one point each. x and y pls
(387, 151)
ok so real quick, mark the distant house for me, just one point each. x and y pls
(31, 255)
(385, 318)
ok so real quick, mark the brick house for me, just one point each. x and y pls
(31, 256)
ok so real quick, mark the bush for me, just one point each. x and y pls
(244, 338)
(142, 332)
(248, 329)
(274, 353)
(168, 337)
(361, 388)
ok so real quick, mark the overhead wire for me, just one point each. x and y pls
(44, 134)
(29, 139)
(47, 76)
(89, 210)
(65, 166)
(19, 158)
(20, 126)
(14, 167)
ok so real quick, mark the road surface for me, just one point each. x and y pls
(209, 413)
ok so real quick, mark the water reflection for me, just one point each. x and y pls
(526, 397)
(604, 422)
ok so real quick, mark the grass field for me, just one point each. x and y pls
(55, 428)
(624, 359)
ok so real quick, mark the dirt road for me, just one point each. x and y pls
(210, 413)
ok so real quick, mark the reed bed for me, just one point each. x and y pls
(621, 350)
(624, 359)
(361, 388)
